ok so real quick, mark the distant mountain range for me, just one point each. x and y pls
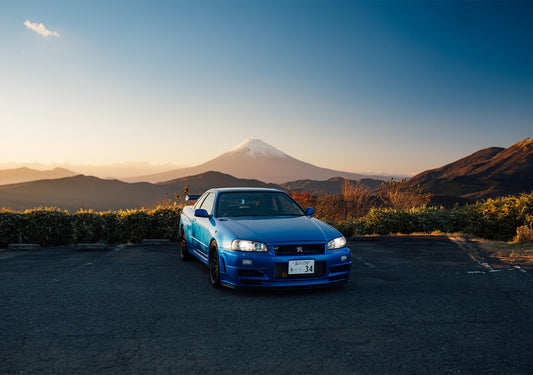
(490, 172)
(486, 173)
(258, 160)
(76, 192)
(88, 192)
(23, 174)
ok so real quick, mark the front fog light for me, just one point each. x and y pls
(344, 258)
(247, 262)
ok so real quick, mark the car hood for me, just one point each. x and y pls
(280, 229)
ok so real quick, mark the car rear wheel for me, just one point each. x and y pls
(184, 254)
(214, 265)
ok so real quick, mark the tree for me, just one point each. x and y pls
(400, 195)
(356, 200)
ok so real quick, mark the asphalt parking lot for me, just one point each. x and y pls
(417, 305)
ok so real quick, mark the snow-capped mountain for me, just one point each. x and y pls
(257, 148)
(255, 159)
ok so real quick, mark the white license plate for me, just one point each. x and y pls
(299, 267)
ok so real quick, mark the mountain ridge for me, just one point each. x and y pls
(25, 174)
(486, 173)
(255, 159)
(489, 172)
(89, 192)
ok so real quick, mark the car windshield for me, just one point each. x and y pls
(256, 203)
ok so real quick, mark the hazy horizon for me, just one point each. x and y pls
(365, 87)
(106, 170)
(119, 169)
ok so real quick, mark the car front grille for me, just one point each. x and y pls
(304, 249)
(282, 271)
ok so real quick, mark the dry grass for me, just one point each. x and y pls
(400, 195)
(512, 252)
(524, 234)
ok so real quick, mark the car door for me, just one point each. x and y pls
(203, 226)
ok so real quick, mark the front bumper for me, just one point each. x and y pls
(241, 269)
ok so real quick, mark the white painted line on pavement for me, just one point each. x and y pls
(75, 269)
(518, 268)
(487, 266)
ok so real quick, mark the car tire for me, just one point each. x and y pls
(184, 253)
(214, 265)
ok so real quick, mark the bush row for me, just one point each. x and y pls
(51, 227)
(492, 219)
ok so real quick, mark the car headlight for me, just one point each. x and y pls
(246, 245)
(337, 243)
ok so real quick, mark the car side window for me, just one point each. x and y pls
(207, 204)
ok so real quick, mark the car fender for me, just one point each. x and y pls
(186, 223)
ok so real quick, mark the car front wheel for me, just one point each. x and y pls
(214, 265)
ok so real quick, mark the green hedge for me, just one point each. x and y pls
(51, 227)
(492, 219)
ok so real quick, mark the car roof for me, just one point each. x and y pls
(237, 189)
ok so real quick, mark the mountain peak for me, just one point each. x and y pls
(257, 148)
(523, 144)
(490, 172)
(257, 160)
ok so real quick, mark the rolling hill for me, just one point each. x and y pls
(17, 175)
(72, 193)
(255, 159)
(88, 192)
(490, 172)
(204, 181)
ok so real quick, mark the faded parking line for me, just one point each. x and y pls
(366, 263)
(80, 267)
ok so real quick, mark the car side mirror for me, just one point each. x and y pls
(309, 211)
(200, 212)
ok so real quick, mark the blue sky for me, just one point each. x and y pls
(393, 87)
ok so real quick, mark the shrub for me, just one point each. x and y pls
(92, 227)
(47, 227)
(136, 225)
(50, 227)
(524, 233)
(499, 219)
(12, 227)
(165, 223)
(492, 219)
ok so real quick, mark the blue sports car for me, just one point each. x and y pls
(252, 237)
